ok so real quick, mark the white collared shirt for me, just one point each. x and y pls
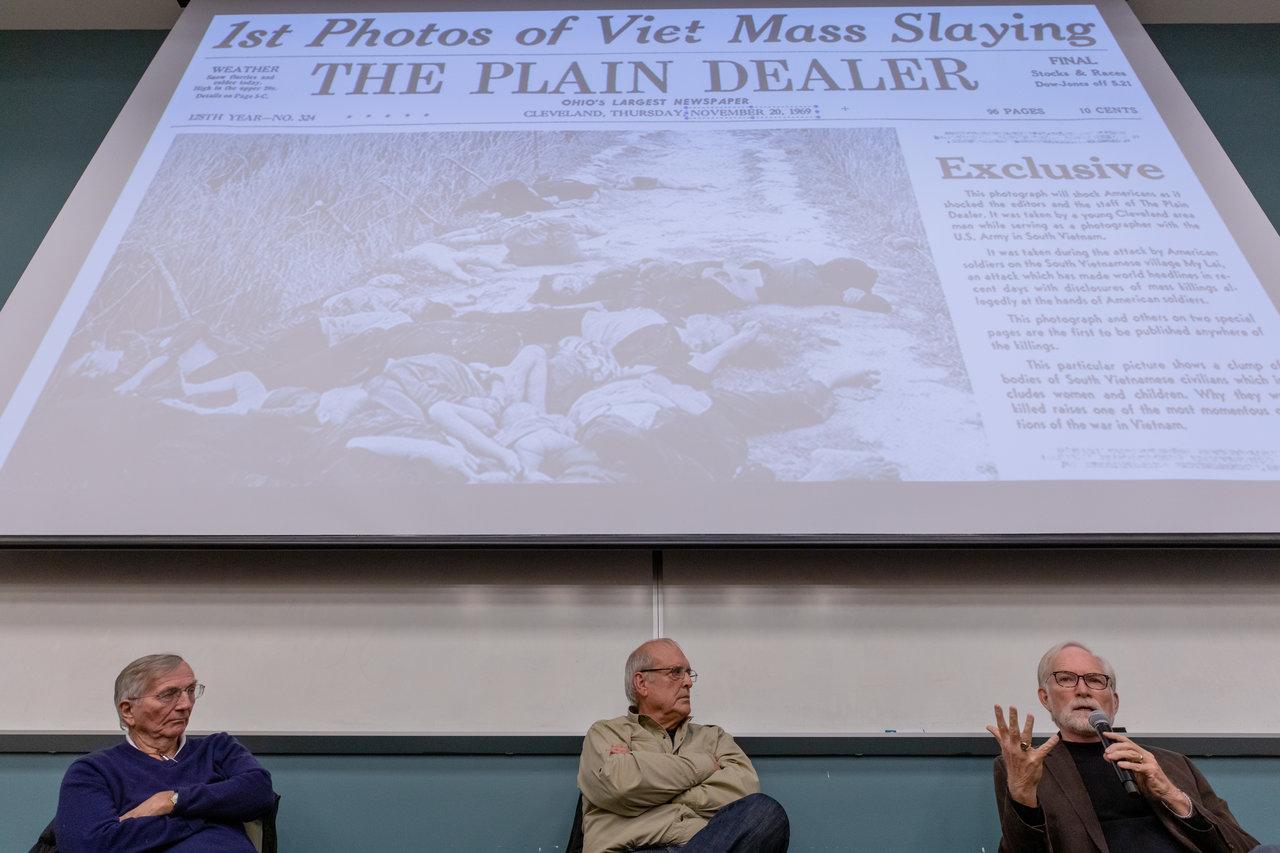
(182, 741)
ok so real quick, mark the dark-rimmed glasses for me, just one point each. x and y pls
(1095, 680)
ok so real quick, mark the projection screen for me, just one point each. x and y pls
(765, 274)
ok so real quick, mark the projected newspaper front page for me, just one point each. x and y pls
(686, 271)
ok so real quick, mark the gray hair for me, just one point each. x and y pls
(1046, 661)
(640, 659)
(134, 679)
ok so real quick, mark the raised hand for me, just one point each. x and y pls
(1024, 762)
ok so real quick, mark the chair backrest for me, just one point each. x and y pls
(253, 829)
(575, 832)
(262, 830)
(46, 843)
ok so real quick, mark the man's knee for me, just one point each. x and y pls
(765, 813)
(763, 804)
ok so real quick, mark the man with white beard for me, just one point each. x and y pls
(1065, 795)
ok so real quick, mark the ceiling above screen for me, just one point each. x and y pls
(161, 14)
(785, 274)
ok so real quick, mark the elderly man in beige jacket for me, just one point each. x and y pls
(652, 780)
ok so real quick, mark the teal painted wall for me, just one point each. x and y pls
(60, 91)
(351, 804)
(59, 94)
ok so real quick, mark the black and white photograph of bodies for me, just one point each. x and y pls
(536, 307)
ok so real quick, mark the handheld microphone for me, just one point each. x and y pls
(1102, 723)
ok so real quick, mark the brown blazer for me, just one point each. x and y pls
(1071, 826)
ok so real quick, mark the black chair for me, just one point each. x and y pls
(261, 831)
(46, 843)
(575, 831)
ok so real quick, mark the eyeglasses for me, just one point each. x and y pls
(170, 696)
(675, 673)
(1096, 680)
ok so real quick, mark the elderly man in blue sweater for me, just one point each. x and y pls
(160, 790)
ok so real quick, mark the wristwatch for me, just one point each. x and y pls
(174, 799)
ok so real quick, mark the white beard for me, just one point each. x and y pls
(1076, 722)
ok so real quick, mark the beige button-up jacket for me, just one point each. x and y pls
(661, 792)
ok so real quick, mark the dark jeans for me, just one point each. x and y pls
(754, 824)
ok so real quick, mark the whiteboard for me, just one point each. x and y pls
(866, 641)
(328, 641)
(785, 641)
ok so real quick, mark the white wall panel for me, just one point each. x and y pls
(533, 642)
(841, 641)
(337, 641)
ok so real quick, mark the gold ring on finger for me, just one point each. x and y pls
(1024, 746)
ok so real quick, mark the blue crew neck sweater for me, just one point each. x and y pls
(219, 783)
